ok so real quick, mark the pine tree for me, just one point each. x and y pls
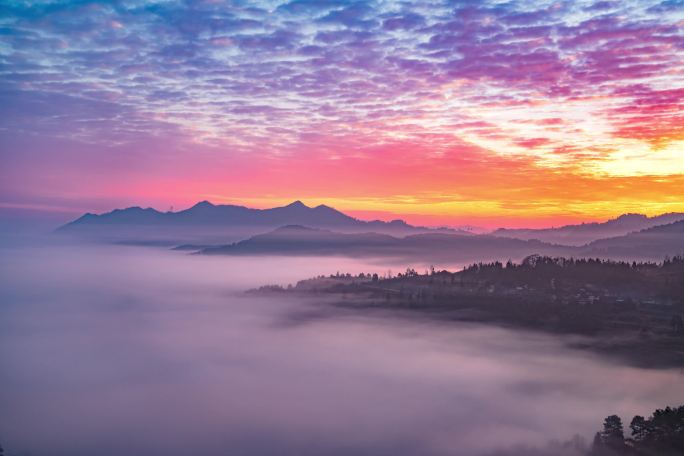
(613, 434)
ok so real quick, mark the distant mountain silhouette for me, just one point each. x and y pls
(585, 233)
(652, 243)
(446, 247)
(297, 229)
(208, 223)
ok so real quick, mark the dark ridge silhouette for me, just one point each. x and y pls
(655, 242)
(297, 239)
(585, 233)
(300, 240)
(651, 244)
(207, 223)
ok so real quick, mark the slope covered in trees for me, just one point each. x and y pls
(632, 310)
(661, 434)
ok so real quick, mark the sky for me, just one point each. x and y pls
(510, 113)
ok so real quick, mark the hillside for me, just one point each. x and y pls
(441, 247)
(632, 310)
(653, 243)
(447, 248)
(585, 233)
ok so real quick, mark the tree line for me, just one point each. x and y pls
(661, 434)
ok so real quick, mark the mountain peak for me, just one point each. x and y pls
(322, 208)
(631, 216)
(133, 210)
(297, 204)
(294, 228)
(202, 204)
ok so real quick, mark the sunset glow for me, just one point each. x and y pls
(487, 113)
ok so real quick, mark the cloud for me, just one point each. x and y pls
(286, 78)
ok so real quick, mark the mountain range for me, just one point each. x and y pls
(209, 223)
(654, 243)
(588, 232)
(297, 229)
(650, 244)
(437, 247)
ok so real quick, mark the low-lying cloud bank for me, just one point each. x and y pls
(115, 350)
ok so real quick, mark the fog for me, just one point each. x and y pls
(138, 351)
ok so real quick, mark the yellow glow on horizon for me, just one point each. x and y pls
(633, 158)
(446, 210)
